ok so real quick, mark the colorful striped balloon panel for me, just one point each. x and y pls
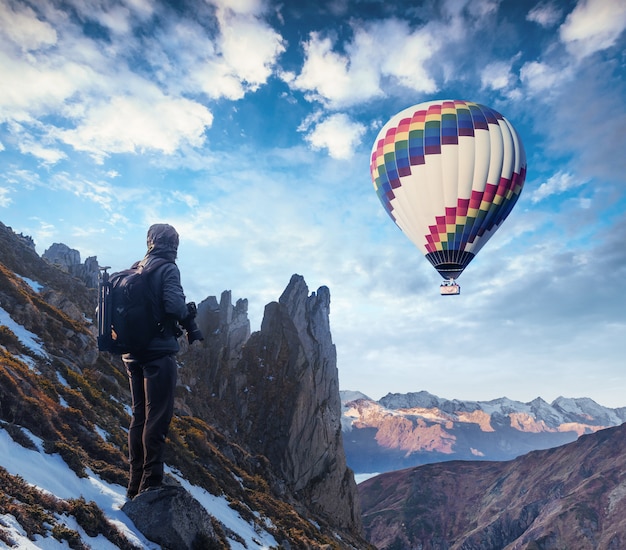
(432, 140)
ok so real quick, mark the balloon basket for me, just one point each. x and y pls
(449, 288)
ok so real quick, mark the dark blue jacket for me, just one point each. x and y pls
(169, 301)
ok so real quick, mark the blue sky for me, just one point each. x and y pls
(248, 125)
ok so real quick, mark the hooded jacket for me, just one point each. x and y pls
(169, 299)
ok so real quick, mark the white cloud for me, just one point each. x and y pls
(29, 86)
(42, 232)
(558, 183)
(543, 78)
(387, 50)
(49, 155)
(338, 134)
(25, 179)
(22, 27)
(118, 18)
(404, 53)
(246, 7)
(226, 64)
(29, 141)
(546, 14)
(249, 48)
(188, 199)
(594, 25)
(128, 124)
(325, 74)
(143, 8)
(101, 103)
(497, 76)
(95, 191)
(479, 9)
(5, 200)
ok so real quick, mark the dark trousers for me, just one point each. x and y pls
(152, 386)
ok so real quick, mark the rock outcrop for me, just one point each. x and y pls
(278, 393)
(68, 259)
(293, 359)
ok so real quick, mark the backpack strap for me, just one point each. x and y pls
(154, 266)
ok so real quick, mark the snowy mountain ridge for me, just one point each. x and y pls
(562, 410)
(403, 430)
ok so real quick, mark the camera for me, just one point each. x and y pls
(189, 324)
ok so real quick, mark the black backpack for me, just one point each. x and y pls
(126, 309)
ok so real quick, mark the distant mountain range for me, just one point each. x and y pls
(404, 430)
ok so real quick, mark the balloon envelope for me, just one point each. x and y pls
(448, 173)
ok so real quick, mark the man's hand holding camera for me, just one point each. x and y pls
(190, 326)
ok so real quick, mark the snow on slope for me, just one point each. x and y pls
(26, 337)
(50, 473)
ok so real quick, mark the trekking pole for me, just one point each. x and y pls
(104, 315)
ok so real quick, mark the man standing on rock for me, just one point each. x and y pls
(152, 371)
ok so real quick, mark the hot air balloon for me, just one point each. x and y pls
(448, 174)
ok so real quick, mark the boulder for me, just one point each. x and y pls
(172, 518)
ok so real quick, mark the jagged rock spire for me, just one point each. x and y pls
(281, 397)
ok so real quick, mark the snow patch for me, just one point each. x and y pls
(32, 284)
(26, 337)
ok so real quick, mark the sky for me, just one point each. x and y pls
(248, 125)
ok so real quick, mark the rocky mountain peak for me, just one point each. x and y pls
(310, 315)
(582, 408)
(277, 391)
(68, 260)
(62, 255)
(410, 400)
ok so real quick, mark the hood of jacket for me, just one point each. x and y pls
(162, 241)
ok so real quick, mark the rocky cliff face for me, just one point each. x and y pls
(56, 311)
(278, 392)
(573, 496)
